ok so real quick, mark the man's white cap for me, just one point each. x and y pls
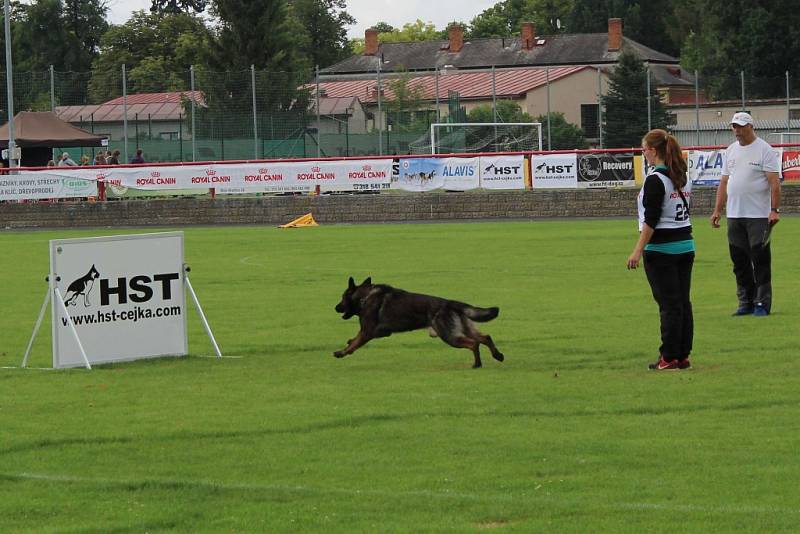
(742, 119)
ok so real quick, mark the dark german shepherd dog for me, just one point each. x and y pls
(383, 310)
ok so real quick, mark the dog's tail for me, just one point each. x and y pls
(481, 315)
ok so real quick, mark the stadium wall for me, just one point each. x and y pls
(355, 208)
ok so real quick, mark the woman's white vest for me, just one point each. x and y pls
(674, 212)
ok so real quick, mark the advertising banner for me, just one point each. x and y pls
(705, 167)
(502, 172)
(36, 186)
(426, 174)
(555, 171)
(124, 296)
(606, 170)
(348, 175)
(790, 164)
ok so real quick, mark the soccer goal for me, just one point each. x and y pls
(471, 137)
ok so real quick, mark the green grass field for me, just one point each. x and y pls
(571, 434)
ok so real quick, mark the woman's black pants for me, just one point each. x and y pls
(670, 277)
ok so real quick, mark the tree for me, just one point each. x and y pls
(86, 21)
(761, 38)
(416, 31)
(625, 105)
(507, 111)
(173, 7)
(565, 135)
(157, 51)
(403, 110)
(505, 18)
(326, 22)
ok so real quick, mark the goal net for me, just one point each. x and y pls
(473, 137)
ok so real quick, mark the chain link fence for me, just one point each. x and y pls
(254, 114)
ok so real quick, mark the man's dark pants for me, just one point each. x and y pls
(748, 241)
(670, 277)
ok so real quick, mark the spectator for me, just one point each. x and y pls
(114, 158)
(66, 161)
(100, 158)
(51, 163)
(84, 160)
(138, 158)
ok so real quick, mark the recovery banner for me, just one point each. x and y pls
(606, 170)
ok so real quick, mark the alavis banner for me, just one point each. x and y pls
(427, 174)
(606, 170)
(124, 295)
(35, 186)
(705, 167)
(555, 171)
(502, 172)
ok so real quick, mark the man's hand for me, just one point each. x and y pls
(715, 219)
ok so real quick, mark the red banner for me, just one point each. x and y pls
(790, 163)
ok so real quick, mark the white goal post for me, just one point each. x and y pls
(502, 136)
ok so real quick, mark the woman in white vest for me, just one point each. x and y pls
(665, 242)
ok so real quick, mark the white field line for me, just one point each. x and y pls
(246, 261)
(545, 497)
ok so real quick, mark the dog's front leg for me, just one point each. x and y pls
(353, 344)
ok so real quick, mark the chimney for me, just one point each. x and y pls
(455, 33)
(614, 35)
(370, 42)
(528, 34)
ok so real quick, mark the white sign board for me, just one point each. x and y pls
(555, 171)
(502, 172)
(124, 295)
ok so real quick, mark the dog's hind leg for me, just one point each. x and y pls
(487, 340)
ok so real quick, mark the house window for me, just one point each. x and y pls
(589, 120)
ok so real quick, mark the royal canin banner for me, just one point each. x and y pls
(790, 163)
(349, 175)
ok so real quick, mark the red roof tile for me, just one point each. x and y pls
(471, 84)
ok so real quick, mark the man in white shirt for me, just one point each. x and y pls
(750, 190)
(66, 161)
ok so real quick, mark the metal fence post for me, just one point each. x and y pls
(380, 116)
(255, 116)
(194, 131)
(697, 107)
(788, 105)
(743, 100)
(319, 124)
(649, 102)
(9, 84)
(52, 90)
(125, 110)
(600, 107)
(494, 96)
(547, 79)
(436, 89)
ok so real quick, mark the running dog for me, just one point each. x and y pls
(384, 310)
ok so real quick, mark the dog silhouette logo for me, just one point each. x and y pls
(81, 286)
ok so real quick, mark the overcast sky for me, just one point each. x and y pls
(366, 12)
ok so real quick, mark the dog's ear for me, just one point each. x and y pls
(351, 284)
(367, 281)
